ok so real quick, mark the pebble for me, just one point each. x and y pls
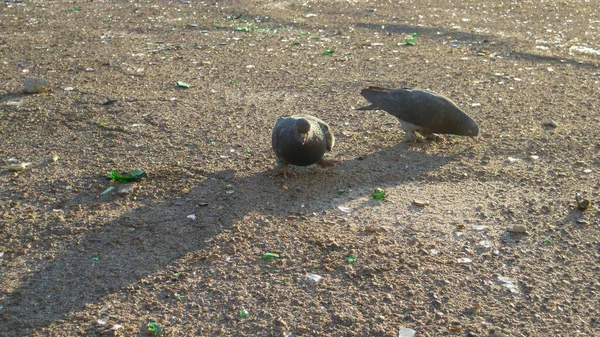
(583, 222)
(464, 260)
(34, 85)
(420, 203)
(551, 124)
(517, 229)
(371, 229)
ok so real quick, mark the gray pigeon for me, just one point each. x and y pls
(422, 111)
(302, 140)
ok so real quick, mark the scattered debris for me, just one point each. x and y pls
(344, 209)
(133, 175)
(509, 283)
(34, 85)
(582, 204)
(18, 167)
(314, 277)
(192, 217)
(107, 190)
(406, 332)
(270, 256)
(517, 229)
(182, 85)
(420, 203)
(154, 329)
(379, 194)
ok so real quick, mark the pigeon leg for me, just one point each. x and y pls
(282, 168)
(434, 137)
(410, 136)
(327, 163)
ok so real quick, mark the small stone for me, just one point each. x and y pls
(551, 124)
(55, 157)
(192, 217)
(583, 222)
(371, 229)
(464, 260)
(517, 229)
(420, 203)
(480, 228)
(125, 189)
(34, 85)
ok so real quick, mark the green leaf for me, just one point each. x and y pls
(182, 84)
(350, 259)
(242, 29)
(133, 175)
(154, 329)
(340, 192)
(379, 194)
(270, 256)
(328, 51)
(410, 40)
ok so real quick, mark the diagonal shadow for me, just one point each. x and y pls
(112, 256)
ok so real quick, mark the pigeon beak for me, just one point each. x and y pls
(303, 136)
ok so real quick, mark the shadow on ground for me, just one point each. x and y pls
(113, 256)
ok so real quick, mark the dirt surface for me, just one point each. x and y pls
(76, 261)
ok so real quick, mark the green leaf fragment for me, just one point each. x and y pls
(548, 240)
(415, 34)
(379, 194)
(350, 259)
(242, 29)
(340, 192)
(154, 329)
(182, 84)
(243, 313)
(270, 256)
(133, 175)
(328, 51)
(410, 40)
(95, 258)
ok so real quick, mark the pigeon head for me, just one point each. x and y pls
(465, 126)
(303, 127)
(472, 129)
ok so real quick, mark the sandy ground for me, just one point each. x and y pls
(75, 261)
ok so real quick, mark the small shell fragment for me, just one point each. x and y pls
(420, 203)
(18, 167)
(517, 229)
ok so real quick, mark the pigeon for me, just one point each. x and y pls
(302, 140)
(421, 110)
